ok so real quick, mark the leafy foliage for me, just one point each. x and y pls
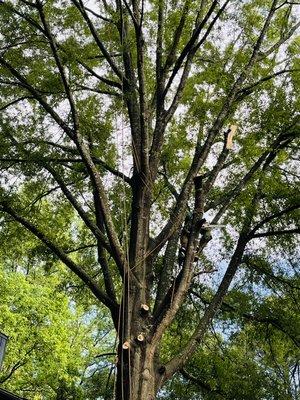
(108, 113)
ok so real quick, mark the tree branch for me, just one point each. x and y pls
(165, 275)
(201, 153)
(72, 150)
(109, 286)
(140, 44)
(102, 199)
(80, 6)
(170, 59)
(96, 290)
(99, 91)
(11, 103)
(179, 361)
(58, 62)
(225, 307)
(173, 299)
(190, 45)
(187, 67)
(272, 217)
(108, 82)
(276, 233)
(83, 247)
(90, 224)
(198, 382)
(280, 142)
(36, 94)
(242, 93)
(282, 40)
(18, 364)
(99, 16)
(159, 54)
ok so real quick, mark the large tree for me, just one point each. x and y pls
(125, 111)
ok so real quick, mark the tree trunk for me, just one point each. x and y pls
(136, 373)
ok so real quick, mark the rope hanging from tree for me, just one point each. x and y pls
(122, 334)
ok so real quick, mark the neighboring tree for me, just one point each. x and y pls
(252, 351)
(44, 346)
(124, 112)
(54, 342)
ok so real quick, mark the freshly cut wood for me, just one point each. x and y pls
(141, 337)
(145, 308)
(126, 345)
(231, 133)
